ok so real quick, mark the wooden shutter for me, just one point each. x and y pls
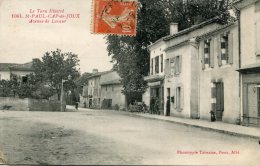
(257, 38)
(257, 28)
(211, 53)
(176, 65)
(166, 67)
(222, 95)
(172, 61)
(152, 66)
(218, 45)
(180, 63)
(182, 98)
(245, 100)
(230, 48)
(175, 98)
(202, 54)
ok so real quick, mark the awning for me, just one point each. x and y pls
(249, 69)
(153, 78)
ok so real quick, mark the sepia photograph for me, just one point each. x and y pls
(130, 82)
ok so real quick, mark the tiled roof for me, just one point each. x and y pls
(98, 74)
(22, 67)
(185, 31)
(216, 30)
(110, 82)
(6, 66)
(16, 66)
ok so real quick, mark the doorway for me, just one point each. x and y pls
(168, 102)
(219, 100)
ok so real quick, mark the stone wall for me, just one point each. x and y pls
(45, 105)
(9, 103)
(16, 104)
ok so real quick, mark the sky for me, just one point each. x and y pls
(21, 41)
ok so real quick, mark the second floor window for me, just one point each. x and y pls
(161, 62)
(178, 64)
(157, 65)
(172, 66)
(207, 53)
(226, 49)
(151, 67)
(175, 65)
(257, 28)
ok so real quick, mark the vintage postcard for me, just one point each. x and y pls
(130, 82)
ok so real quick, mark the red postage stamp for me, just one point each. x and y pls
(114, 17)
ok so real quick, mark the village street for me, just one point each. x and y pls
(112, 137)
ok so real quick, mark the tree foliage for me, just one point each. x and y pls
(130, 54)
(54, 67)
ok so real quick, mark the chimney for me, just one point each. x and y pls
(173, 28)
(94, 71)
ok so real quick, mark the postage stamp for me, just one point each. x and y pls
(114, 17)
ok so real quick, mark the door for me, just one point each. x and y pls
(219, 100)
(253, 100)
(168, 102)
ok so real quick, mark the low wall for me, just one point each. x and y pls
(45, 105)
(9, 103)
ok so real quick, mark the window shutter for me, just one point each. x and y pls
(175, 98)
(230, 48)
(166, 67)
(176, 65)
(180, 63)
(218, 43)
(222, 95)
(151, 67)
(257, 28)
(182, 97)
(211, 58)
(172, 65)
(202, 54)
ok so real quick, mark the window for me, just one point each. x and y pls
(178, 97)
(226, 46)
(257, 28)
(156, 65)
(167, 67)
(106, 87)
(258, 100)
(172, 65)
(161, 62)
(207, 53)
(112, 88)
(151, 67)
(178, 65)
(24, 79)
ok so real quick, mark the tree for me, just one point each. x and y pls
(54, 67)
(81, 81)
(130, 54)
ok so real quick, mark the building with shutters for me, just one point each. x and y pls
(111, 91)
(93, 98)
(21, 70)
(155, 90)
(174, 70)
(218, 78)
(182, 70)
(249, 66)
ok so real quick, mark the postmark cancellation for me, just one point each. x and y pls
(114, 17)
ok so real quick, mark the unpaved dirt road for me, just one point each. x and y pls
(111, 137)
